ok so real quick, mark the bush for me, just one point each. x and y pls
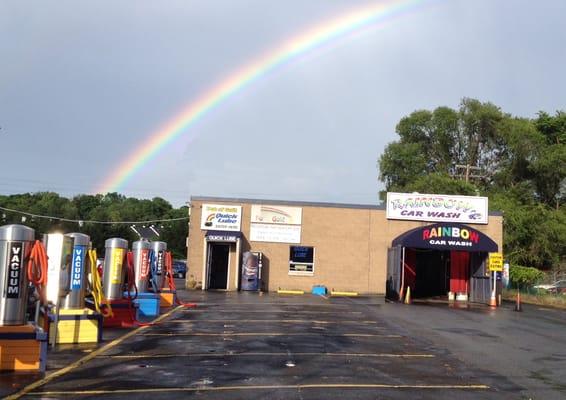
(523, 277)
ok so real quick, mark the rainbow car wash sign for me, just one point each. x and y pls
(446, 236)
(220, 217)
(437, 208)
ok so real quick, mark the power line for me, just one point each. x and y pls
(80, 221)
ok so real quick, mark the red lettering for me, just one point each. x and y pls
(474, 237)
(426, 234)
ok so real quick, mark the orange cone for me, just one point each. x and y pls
(493, 300)
(408, 295)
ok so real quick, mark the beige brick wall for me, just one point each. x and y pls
(350, 248)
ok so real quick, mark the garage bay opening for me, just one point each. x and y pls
(441, 261)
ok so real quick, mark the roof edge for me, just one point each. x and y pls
(288, 202)
(381, 206)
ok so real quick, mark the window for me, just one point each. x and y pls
(301, 260)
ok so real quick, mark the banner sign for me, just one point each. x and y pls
(276, 214)
(218, 217)
(275, 233)
(437, 208)
(446, 237)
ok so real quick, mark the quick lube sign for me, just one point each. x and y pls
(437, 208)
(77, 272)
(15, 264)
(221, 217)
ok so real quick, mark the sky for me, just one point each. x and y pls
(84, 84)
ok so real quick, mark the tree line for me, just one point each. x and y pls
(477, 149)
(111, 207)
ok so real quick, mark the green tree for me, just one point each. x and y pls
(549, 169)
(521, 164)
(440, 183)
(401, 163)
(98, 208)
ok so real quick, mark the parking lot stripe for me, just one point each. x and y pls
(286, 321)
(203, 355)
(323, 305)
(227, 310)
(86, 358)
(262, 387)
(257, 334)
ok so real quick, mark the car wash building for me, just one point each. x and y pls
(437, 245)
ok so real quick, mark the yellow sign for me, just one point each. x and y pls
(116, 266)
(495, 262)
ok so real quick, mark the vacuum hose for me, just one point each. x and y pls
(37, 269)
(97, 293)
(171, 281)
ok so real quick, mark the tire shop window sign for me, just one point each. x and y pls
(221, 217)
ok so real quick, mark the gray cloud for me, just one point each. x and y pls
(81, 85)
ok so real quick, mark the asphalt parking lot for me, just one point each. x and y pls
(243, 345)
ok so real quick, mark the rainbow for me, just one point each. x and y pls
(321, 34)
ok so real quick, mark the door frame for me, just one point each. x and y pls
(207, 249)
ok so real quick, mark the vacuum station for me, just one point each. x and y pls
(55, 292)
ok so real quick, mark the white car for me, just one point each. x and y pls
(551, 286)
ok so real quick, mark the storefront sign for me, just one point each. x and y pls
(222, 237)
(268, 214)
(495, 262)
(446, 237)
(221, 217)
(437, 208)
(275, 233)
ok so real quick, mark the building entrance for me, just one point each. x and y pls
(218, 260)
(440, 261)
(435, 273)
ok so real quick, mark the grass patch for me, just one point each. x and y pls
(540, 298)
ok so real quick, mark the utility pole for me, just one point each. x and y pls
(468, 171)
